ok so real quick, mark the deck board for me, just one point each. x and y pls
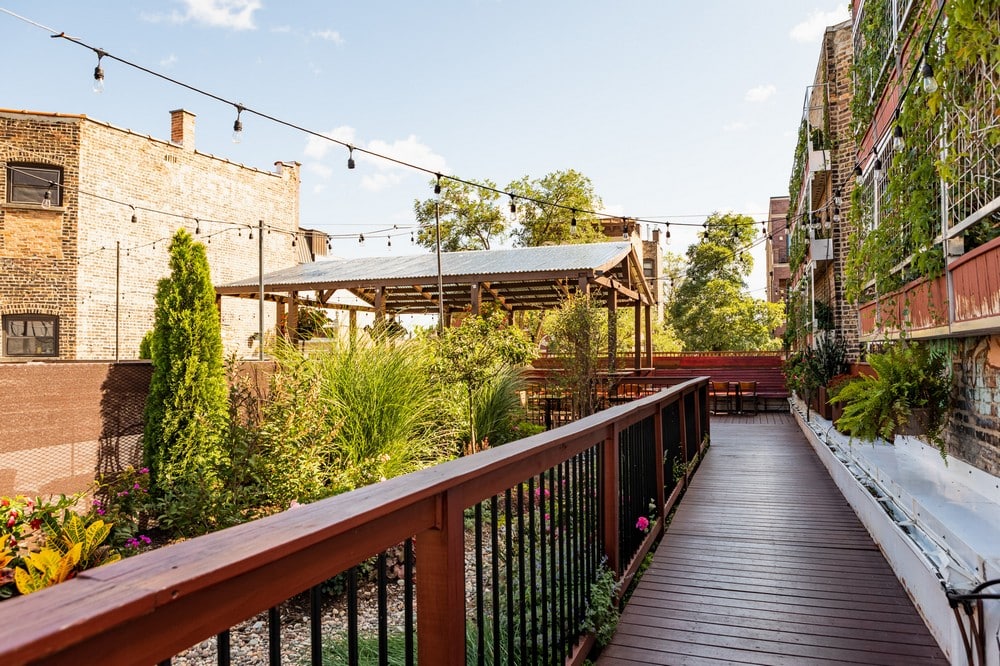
(766, 563)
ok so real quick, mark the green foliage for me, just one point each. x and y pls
(869, 61)
(477, 353)
(908, 376)
(385, 415)
(798, 169)
(602, 612)
(828, 359)
(122, 499)
(186, 408)
(470, 217)
(709, 310)
(546, 225)
(313, 323)
(146, 346)
(579, 331)
(798, 248)
(497, 408)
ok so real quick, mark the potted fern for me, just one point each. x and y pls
(909, 394)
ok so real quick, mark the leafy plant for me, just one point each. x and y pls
(186, 409)
(908, 376)
(76, 546)
(602, 611)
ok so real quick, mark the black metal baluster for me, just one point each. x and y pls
(563, 564)
(408, 601)
(316, 625)
(382, 582)
(480, 619)
(495, 553)
(522, 594)
(543, 542)
(532, 534)
(223, 653)
(508, 551)
(352, 617)
(578, 489)
(274, 636)
(553, 538)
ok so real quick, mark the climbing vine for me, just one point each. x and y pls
(869, 60)
(798, 169)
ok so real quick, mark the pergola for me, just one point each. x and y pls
(531, 278)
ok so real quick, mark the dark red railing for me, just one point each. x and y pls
(150, 607)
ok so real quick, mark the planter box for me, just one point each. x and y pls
(825, 408)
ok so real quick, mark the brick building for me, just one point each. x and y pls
(776, 249)
(821, 182)
(85, 224)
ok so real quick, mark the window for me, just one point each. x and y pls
(649, 268)
(33, 184)
(30, 335)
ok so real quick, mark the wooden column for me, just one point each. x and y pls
(441, 586)
(638, 336)
(475, 297)
(612, 330)
(352, 326)
(583, 286)
(292, 319)
(649, 336)
(379, 305)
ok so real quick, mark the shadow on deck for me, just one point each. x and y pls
(766, 563)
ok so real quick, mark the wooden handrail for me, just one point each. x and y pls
(149, 607)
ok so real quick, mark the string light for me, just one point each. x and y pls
(361, 239)
(99, 72)
(135, 216)
(878, 166)
(197, 227)
(513, 206)
(251, 235)
(350, 157)
(837, 198)
(858, 177)
(238, 124)
(437, 184)
(47, 197)
(667, 229)
(572, 223)
(930, 83)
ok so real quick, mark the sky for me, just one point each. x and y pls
(673, 110)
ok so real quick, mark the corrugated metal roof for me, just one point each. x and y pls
(554, 259)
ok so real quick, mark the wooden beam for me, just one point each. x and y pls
(612, 330)
(502, 300)
(616, 287)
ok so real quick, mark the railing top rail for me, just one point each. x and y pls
(202, 586)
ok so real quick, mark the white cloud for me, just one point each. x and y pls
(324, 171)
(318, 188)
(409, 150)
(231, 14)
(282, 29)
(811, 29)
(735, 126)
(168, 61)
(328, 35)
(379, 181)
(760, 93)
(317, 148)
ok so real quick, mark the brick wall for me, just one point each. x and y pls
(147, 173)
(65, 422)
(973, 433)
(38, 245)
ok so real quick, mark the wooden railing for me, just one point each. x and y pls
(150, 607)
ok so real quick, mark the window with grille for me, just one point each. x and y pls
(34, 184)
(30, 335)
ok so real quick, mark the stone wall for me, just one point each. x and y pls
(973, 433)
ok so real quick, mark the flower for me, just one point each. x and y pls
(642, 524)
(144, 470)
(36, 523)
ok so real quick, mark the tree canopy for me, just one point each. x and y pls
(547, 225)
(470, 217)
(709, 309)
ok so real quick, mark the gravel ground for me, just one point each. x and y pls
(249, 639)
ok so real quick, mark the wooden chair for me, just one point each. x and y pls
(746, 392)
(721, 391)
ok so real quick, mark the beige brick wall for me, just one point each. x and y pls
(145, 172)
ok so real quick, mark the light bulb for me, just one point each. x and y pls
(237, 131)
(47, 199)
(930, 83)
(98, 80)
(350, 157)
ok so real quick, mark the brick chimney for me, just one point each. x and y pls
(182, 128)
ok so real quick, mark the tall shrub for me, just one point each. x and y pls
(579, 336)
(187, 405)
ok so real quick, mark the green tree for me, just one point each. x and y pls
(481, 349)
(579, 331)
(186, 410)
(710, 311)
(547, 225)
(470, 217)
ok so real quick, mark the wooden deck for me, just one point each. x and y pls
(765, 563)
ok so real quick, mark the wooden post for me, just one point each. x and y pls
(441, 586)
(582, 286)
(475, 297)
(612, 333)
(352, 326)
(681, 412)
(698, 418)
(610, 501)
(292, 319)
(638, 336)
(379, 304)
(649, 337)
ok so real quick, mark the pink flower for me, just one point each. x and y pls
(642, 524)
(144, 470)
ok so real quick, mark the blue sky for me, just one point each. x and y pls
(672, 109)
